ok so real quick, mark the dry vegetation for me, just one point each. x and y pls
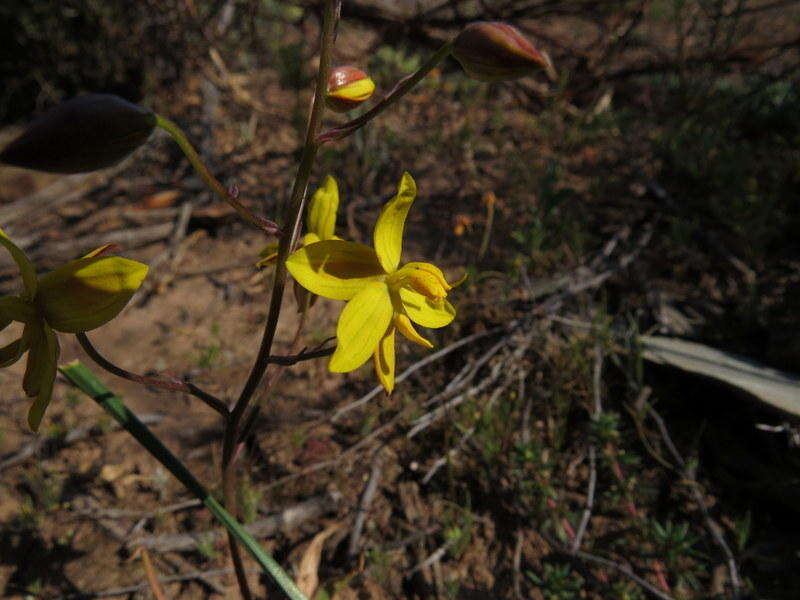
(653, 188)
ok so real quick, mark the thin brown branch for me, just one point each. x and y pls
(431, 358)
(711, 525)
(43, 445)
(133, 589)
(173, 383)
(363, 506)
(285, 520)
(151, 574)
(596, 412)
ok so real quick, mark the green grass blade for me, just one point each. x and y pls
(86, 381)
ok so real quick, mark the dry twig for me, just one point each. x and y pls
(363, 506)
(339, 413)
(42, 444)
(713, 527)
(288, 518)
(596, 412)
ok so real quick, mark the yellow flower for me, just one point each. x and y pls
(320, 220)
(79, 296)
(382, 296)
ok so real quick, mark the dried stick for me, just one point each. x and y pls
(339, 413)
(470, 370)
(443, 460)
(122, 534)
(623, 569)
(123, 237)
(152, 575)
(287, 519)
(366, 502)
(596, 412)
(431, 417)
(713, 527)
(133, 589)
(121, 513)
(43, 443)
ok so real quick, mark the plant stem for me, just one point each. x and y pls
(293, 219)
(173, 384)
(212, 182)
(404, 86)
(83, 379)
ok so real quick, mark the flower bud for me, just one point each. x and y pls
(347, 88)
(83, 134)
(495, 51)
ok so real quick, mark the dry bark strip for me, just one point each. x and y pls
(127, 238)
(287, 519)
(43, 445)
(61, 191)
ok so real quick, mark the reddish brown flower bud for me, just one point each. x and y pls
(347, 88)
(83, 134)
(495, 51)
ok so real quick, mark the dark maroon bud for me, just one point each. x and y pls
(495, 51)
(82, 134)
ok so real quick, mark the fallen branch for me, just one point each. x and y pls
(443, 460)
(62, 191)
(127, 238)
(713, 527)
(42, 444)
(139, 587)
(624, 570)
(121, 513)
(287, 519)
(596, 412)
(339, 413)
(363, 506)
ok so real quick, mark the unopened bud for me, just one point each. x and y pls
(83, 134)
(348, 87)
(495, 51)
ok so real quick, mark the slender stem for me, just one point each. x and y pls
(173, 384)
(249, 421)
(212, 182)
(292, 220)
(82, 378)
(404, 86)
(287, 361)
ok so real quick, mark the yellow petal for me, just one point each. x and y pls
(87, 293)
(403, 324)
(322, 209)
(334, 268)
(384, 360)
(101, 250)
(40, 372)
(13, 308)
(428, 313)
(361, 326)
(26, 269)
(388, 235)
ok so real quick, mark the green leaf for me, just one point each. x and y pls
(85, 380)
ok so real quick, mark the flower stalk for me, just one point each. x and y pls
(176, 133)
(293, 217)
